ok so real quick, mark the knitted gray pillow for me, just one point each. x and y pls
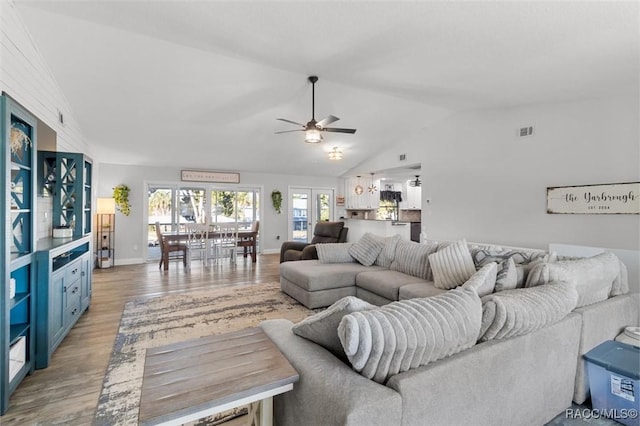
(366, 249)
(593, 276)
(407, 334)
(334, 253)
(322, 328)
(388, 253)
(452, 265)
(413, 258)
(523, 310)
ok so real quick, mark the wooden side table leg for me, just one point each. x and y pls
(261, 412)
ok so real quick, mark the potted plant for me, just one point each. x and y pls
(121, 196)
(276, 199)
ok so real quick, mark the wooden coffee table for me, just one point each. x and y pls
(189, 380)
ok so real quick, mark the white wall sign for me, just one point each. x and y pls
(207, 176)
(615, 198)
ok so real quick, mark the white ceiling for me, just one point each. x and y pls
(200, 83)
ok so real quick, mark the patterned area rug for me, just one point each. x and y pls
(158, 321)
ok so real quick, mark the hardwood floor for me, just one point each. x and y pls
(67, 392)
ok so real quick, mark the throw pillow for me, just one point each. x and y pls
(521, 311)
(621, 283)
(388, 253)
(413, 258)
(322, 328)
(592, 276)
(452, 265)
(507, 275)
(510, 273)
(483, 281)
(366, 249)
(403, 335)
(334, 253)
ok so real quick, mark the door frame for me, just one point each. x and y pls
(311, 215)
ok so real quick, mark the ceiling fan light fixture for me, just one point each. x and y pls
(336, 154)
(312, 136)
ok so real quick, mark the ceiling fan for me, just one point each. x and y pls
(415, 182)
(313, 129)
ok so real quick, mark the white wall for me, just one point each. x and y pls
(486, 184)
(25, 76)
(130, 230)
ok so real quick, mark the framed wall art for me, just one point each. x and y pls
(613, 198)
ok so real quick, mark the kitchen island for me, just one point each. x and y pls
(385, 228)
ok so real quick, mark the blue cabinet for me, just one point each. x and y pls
(64, 270)
(67, 177)
(17, 302)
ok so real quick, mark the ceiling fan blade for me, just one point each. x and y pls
(338, 130)
(289, 131)
(328, 120)
(289, 121)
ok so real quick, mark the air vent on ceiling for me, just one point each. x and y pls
(525, 131)
(60, 118)
(403, 157)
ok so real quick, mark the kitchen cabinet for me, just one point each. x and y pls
(18, 140)
(362, 193)
(413, 198)
(64, 270)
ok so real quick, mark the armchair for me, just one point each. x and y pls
(324, 232)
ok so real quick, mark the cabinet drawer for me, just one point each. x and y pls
(73, 271)
(73, 291)
(72, 312)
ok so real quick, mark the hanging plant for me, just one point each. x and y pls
(276, 199)
(121, 195)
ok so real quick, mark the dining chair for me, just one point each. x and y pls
(226, 243)
(198, 241)
(170, 250)
(248, 241)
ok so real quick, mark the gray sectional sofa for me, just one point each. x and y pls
(317, 284)
(526, 379)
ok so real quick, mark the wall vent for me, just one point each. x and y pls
(60, 118)
(525, 131)
(403, 157)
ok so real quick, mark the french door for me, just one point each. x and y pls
(308, 206)
(173, 206)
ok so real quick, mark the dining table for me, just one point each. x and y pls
(246, 239)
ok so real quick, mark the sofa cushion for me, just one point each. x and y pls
(452, 265)
(592, 276)
(334, 253)
(366, 249)
(521, 311)
(311, 275)
(388, 253)
(322, 328)
(419, 290)
(413, 258)
(385, 283)
(403, 335)
(484, 281)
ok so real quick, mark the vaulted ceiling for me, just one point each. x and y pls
(200, 83)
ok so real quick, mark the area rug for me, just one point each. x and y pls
(158, 321)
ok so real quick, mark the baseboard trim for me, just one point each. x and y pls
(270, 251)
(132, 261)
